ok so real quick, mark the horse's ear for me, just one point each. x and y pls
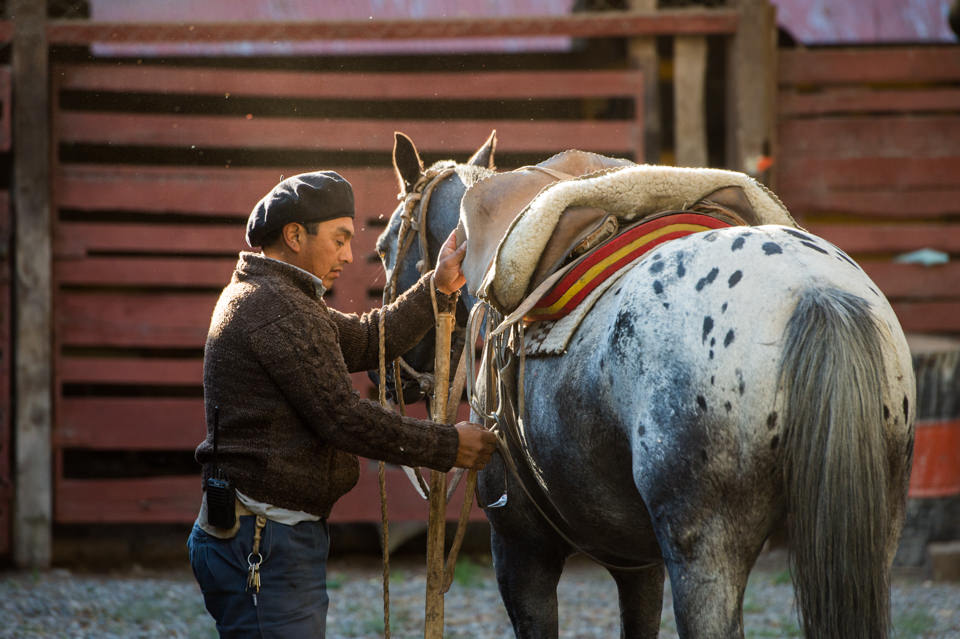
(406, 162)
(484, 155)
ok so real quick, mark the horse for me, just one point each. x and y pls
(729, 386)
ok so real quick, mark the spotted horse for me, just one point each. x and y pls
(726, 385)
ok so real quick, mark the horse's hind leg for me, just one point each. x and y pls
(641, 601)
(527, 575)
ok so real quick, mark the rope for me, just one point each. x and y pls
(382, 478)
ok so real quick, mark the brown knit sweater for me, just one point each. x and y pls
(277, 363)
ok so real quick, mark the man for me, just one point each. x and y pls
(289, 424)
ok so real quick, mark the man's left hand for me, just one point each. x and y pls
(448, 277)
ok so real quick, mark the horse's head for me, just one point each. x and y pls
(409, 246)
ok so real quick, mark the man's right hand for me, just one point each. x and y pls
(476, 446)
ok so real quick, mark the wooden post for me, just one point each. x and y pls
(433, 613)
(689, 76)
(32, 281)
(751, 86)
(642, 53)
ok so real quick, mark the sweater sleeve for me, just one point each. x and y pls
(406, 321)
(302, 356)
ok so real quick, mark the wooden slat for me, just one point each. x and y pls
(161, 272)
(861, 65)
(80, 238)
(177, 500)
(122, 370)
(881, 136)
(915, 281)
(207, 191)
(153, 423)
(884, 238)
(341, 135)
(865, 100)
(584, 25)
(914, 204)
(928, 317)
(812, 172)
(158, 320)
(231, 84)
(150, 501)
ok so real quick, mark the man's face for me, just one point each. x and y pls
(326, 253)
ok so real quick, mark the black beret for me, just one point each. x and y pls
(308, 197)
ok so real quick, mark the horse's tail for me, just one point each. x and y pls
(835, 466)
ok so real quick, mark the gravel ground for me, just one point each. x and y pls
(140, 604)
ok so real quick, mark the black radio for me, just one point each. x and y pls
(221, 495)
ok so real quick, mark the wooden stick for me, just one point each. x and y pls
(433, 617)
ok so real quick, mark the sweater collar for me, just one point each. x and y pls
(259, 264)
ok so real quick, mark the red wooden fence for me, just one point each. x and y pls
(143, 244)
(869, 158)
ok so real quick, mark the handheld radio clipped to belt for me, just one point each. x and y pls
(221, 495)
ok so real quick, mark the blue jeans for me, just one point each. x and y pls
(292, 602)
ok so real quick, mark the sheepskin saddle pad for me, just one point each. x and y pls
(511, 218)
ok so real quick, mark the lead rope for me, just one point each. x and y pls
(382, 481)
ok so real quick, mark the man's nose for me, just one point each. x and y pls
(348, 254)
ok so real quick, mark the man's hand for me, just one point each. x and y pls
(448, 277)
(476, 446)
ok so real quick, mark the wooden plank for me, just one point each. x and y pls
(154, 371)
(32, 518)
(584, 25)
(915, 281)
(866, 100)
(913, 204)
(130, 423)
(855, 65)
(233, 132)
(177, 500)
(231, 83)
(889, 238)
(928, 317)
(205, 191)
(160, 272)
(803, 172)
(82, 238)
(690, 69)
(134, 319)
(881, 136)
(148, 501)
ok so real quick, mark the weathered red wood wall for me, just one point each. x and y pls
(143, 244)
(869, 158)
(6, 346)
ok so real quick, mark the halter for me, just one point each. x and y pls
(413, 222)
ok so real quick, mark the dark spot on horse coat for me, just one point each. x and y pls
(711, 353)
(734, 278)
(713, 342)
(737, 243)
(798, 234)
(657, 267)
(708, 279)
(741, 384)
(702, 402)
(906, 409)
(656, 256)
(728, 406)
(774, 442)
(886, 412)
(681, 269)
(728, 339)
(703, 455)
(814, 247)
(875, 291)
(713, 379)
(641, 431)
(772, 419)
(711, 236)
(723, 309)
(657, 287)
(707, 327)
(617, 292)
(771, 248)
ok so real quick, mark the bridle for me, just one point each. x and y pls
(413, 225)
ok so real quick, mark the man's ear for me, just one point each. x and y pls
(291, 235)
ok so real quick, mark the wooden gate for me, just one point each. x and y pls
(156, 170)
